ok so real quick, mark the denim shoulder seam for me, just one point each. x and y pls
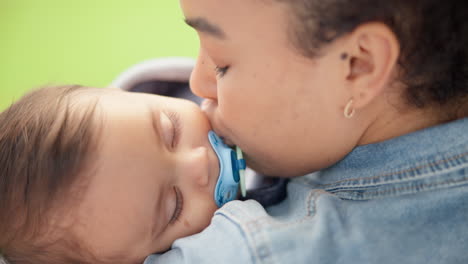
(232, 215)
(255, 228)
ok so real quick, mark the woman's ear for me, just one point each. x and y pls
(373, 54)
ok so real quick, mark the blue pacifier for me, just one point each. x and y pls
(231, 170)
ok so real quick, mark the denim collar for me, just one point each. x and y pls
(427, 146)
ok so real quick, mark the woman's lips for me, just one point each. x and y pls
(228, 142)
(208, 106)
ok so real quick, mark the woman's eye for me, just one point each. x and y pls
(221, 71)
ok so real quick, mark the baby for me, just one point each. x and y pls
(93, 175)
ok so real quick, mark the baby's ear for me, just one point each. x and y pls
(371, 62)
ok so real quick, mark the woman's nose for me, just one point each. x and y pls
(203, 79)
(196, 166)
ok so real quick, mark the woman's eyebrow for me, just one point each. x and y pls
(202, 25)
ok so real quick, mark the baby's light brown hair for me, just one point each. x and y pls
(46, 141)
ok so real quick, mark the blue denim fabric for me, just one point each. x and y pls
(404, 200)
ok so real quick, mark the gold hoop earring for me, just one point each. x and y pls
(349, 110)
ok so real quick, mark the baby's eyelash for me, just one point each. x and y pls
(221, 71)
(177, 126)
(179, 205)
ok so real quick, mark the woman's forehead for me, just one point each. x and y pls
(238, 22)
(222, 13)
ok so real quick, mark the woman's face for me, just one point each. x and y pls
(154, 177)
(284, 110)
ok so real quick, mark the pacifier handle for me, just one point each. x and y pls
(231, 171)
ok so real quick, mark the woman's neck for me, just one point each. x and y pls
(392, 121)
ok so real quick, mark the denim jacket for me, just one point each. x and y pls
(404, 200)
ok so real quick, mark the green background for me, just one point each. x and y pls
(86, 42)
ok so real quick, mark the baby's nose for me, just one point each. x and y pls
(197, 166)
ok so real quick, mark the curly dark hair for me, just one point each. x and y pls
(433, 36)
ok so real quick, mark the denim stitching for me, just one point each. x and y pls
(258, 240)
(459, 158)
(364, 195)
(311, 204)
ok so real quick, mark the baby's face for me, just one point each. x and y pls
(154, 178)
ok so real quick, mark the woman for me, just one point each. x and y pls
(370, 95)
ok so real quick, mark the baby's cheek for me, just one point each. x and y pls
(187, 224)
(205, 216)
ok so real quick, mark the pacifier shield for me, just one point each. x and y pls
(227, 186)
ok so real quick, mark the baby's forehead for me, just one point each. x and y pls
(91, 93)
